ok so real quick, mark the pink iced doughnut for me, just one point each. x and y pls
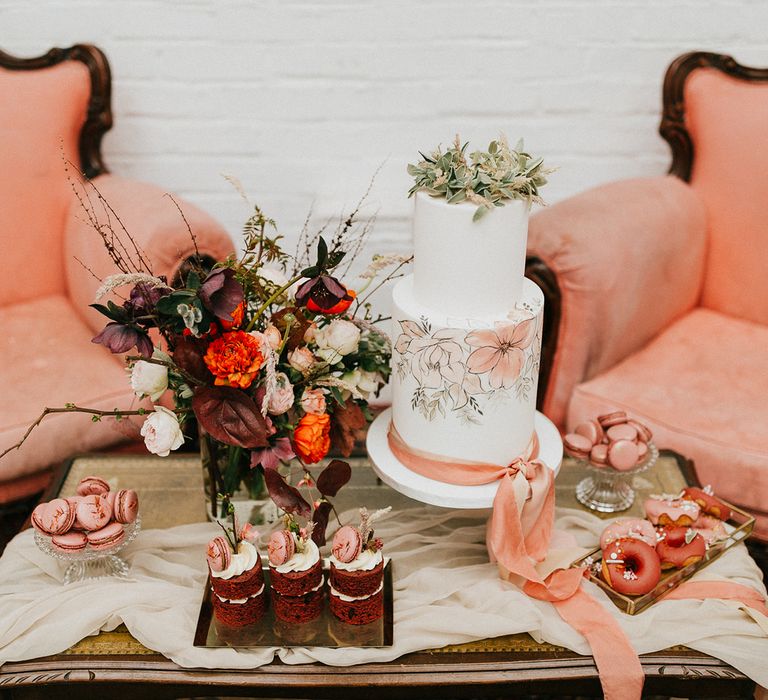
(629, 527)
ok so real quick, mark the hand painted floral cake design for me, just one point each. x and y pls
(458, 370)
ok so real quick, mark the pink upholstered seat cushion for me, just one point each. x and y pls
(702, 386)
(48, 360)
(728, 122)
(41, 113)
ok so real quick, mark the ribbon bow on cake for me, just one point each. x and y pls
(518, 538)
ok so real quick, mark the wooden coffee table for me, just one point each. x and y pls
(114, 664)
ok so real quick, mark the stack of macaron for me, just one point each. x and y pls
(611, 440)
(677, 533)
(296, 575)
(357, 573)
(237, 578)
(96, 517)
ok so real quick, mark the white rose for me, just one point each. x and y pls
(366, 383)
(281, 398)
(161, 432)
(301, 359)
(148, 379)
(337, 339)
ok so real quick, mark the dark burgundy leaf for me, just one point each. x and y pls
(345, 421)
(188, 355)
(293, 320)
(333, 477)
(221, 293)
(320, 517)
(230, 416)
(284, 495)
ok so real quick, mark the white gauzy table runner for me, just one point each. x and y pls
(446, 592)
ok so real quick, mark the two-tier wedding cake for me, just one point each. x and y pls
(467, 323)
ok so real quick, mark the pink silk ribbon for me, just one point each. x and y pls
(621, 674)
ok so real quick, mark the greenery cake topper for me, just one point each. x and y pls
(487, 179)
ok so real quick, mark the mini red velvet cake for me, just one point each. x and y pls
(296, 573)
(357, 573)
(237, 581)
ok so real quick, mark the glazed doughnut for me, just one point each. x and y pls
(629, 527)
(707, 501)
(631, 567)
(710, 528)
(675, 553)
(670, 510)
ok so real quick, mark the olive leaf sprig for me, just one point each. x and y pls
(487, 178)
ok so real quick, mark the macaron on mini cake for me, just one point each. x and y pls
(357, 572)
(237, 578)
(296, 573)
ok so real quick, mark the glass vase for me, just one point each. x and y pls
(227, 472)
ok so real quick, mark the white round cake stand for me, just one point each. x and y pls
(437, 493)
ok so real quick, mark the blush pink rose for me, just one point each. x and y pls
(301, 359)
(313, 401)
(282, 397)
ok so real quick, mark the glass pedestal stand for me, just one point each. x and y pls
(89, 562)
(608, 490)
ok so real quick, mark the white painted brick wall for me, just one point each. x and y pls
(304, 99)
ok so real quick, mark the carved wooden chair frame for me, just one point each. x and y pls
(674, 131)
(99, 118)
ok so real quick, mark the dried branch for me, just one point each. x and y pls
(71, 408)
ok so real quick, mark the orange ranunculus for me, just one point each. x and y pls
(337, 308)
(312, 437)
(235, 358)
(237, 318)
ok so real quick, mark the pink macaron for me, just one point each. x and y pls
(577, 445)
(614, 418)
(281, 547)
(92, 485)
(622, 431)
(126, 506)
(347, 544)
(592, 430)
(53, 518)
(107, 537)
(623, 455)
(219, 554)
(599, 455)
(93, 512)
(643, 431)
(73, 541)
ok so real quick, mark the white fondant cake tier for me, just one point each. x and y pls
(465, 266)
(465, 388)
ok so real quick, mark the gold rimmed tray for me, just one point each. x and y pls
(738, 528)
(324, 631)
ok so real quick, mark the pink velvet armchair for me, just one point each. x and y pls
(61, 101)
(659, 286)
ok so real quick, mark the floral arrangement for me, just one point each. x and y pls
(271, 357)
(488, 179)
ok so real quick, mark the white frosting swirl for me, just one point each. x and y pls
(365, 561)
(352, 598)
(244, 560)
(241, 601)
(301, 561)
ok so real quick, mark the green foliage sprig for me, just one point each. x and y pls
(487, 179)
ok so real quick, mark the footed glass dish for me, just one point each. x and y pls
(608, 490)
(90, 562)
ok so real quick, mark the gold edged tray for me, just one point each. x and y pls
(324, 631)
(739, 527)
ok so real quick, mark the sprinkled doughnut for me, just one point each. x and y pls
(679, 547)
(670, 510)
(631, 567)
(628, 527)
(707, 501)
